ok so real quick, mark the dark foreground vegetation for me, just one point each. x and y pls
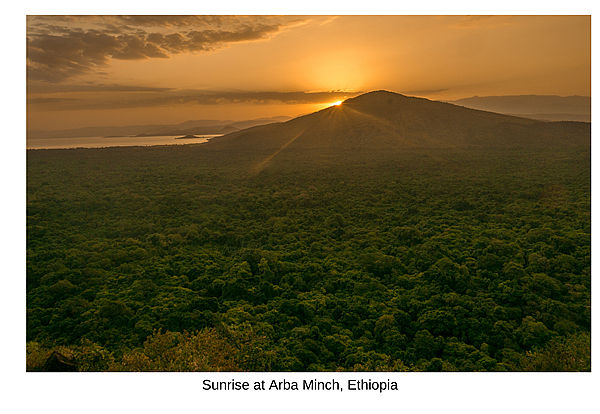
(185, 258)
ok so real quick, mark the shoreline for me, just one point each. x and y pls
(174, 141)
(116, 146)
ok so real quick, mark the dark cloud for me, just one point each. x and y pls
(46, 88)
(298, 97)
(49, 101)
(178, 21)
(57, 57)
(146, 22)
(61, 47)
(181, 97)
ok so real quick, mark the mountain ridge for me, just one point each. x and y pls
(540, 107)
(388, 120)
(199, 126)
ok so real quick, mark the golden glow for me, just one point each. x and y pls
(336, 57)
(326, 105)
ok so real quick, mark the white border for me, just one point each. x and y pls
(168, 392)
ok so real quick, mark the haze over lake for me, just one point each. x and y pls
(102, 142)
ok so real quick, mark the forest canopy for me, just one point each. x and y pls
(181, 258)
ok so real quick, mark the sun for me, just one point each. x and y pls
(326, 105)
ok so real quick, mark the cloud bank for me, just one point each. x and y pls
(62, 47)
(131, 97)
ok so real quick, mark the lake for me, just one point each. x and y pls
(101, 142)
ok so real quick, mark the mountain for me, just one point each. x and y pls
(541, 107)
(387, 120)
(217, 127)
(200, 126)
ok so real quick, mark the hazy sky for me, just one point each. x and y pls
(125, 70)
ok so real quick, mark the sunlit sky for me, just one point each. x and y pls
(127, 70)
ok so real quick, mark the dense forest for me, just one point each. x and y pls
(186, 258)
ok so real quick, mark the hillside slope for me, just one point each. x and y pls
(387, 120)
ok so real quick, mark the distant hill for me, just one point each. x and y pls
(225, 127)
(387, 120)
(201, 126)
(542, 107)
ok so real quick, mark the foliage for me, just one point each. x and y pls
(572, 353)
(156, 258)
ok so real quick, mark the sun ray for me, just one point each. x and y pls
(263, 164)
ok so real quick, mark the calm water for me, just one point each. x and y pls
(101, 142)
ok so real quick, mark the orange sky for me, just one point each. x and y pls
(125, 70)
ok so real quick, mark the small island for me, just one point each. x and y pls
(188, 137)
